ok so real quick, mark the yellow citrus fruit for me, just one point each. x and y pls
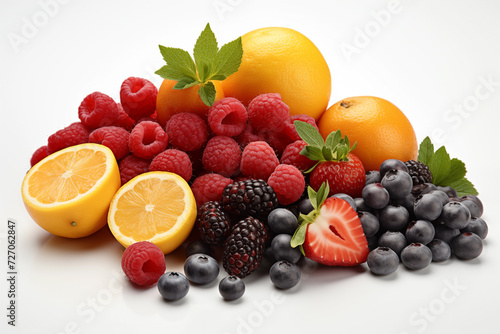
(156, 206)
(282, 60)
(381, 130)
(170, 101)
(68, 193)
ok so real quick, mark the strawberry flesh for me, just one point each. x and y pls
(336, 237)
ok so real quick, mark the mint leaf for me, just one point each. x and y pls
(205, 51)
(203, 70)
(457, 172)
(439, 165)
(228, 58)
(170, 73)
(185, 82)
(464, 187)
(180, 60)
(300, 235)
(425, 151)
(207, 93)
(309, 134)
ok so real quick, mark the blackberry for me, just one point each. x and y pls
(249, 198)
(244, 247)
(419, 172)
(213, 223)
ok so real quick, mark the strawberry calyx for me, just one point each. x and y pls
(333, 148)
(317, 199)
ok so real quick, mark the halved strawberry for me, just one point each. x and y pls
(331, 233)
(336, 236)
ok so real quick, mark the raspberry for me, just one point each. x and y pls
(277, 140)
(138, 97)
(38, 155)
(209, 187)
(288, 183)
(289, 128)
(97, 110)
(258, 160)
(247, 136)
(143, 263)
(74, 134)
(131, 166)
(114, 137)
(124, 120)
(291, 156)
(268, 112)
(222, 155)
(187, 131)
(173, 161)
(147, 139)
(227, 117)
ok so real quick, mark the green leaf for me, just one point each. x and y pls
(464, 187)
(207, 93)
(457, 172)
(439, 165)
(327, 153)
(299, 236)
(205, 50)
(228, 58)
(185, 82)
(322, 195)
(309, 134)
(333, 139)
(312, 194)
(180, 60)
(170, 73)
(219, 77)
(203, 71)
(312, 152)
(425, 151)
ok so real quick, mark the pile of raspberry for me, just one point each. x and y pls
(233, 142)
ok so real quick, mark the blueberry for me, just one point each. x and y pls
(373, 176)
(476, 211)
(282, 221)
(420, 231)
(407, 202)
(282, 249)
(361, 205)
(441, 251)
(375, 196)
(427, 207)
(231, 287)
(201, 268)
(442, 196)
(421, 189)
(476, 201)
(305, 206)
(445, 233)
(346, 198)
(477, 226)
(369, 223)
(394, 218)
(372, 242)
(455, 215)
(198, 247)
(382, 261)
(398, 183)
(449, 191)
(467, 246)
(394, 240)
(284, 275)
(392, 164)
(416, 256)
(173, 285)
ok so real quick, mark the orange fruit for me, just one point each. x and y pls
(68, 193)
(282, 60)
(380, 128)
(156, 206)
(170, 101)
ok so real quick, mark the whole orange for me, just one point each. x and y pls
(381, 130)
(282, 60)
(172, 101)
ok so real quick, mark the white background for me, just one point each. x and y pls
(430, 59)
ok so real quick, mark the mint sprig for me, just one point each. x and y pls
(445, 171)
(333, 148)
(317, 199)
(210, 63)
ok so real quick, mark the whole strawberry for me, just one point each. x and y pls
(336, 165)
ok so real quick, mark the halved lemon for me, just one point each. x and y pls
(157, 206)
(68, 193)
